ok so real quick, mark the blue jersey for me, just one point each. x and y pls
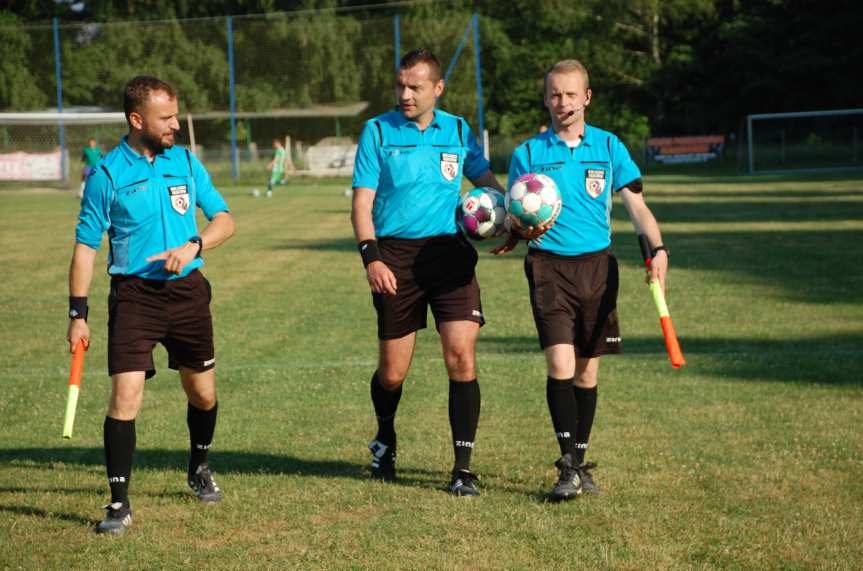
(416, 175)
(146, 208)
(586, 175)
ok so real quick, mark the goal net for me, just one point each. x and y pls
(47, 146)
(805, 141)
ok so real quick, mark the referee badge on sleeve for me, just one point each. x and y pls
(594, 182)
(449, 165)
(179, 197)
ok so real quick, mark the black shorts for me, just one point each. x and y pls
(574, 301)
(175, 313)
(437, 272)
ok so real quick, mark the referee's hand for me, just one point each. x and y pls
(534, 232)
(509, 245)
(78, 332)
(176, 258)
(658, 269)
(381, 278)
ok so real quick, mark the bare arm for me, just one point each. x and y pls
(645, 223)
(80, 276)
(217, 232)
(381, 278)
(219, 229)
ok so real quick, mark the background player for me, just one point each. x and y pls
(276, 166)
(144, 194)
(90, 157)
(407, 180)
(571, 272)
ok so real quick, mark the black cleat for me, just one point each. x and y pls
(202, 483)
(568, 485)
(463, 484)
(588, 486)
(117, 520)
(383, 466)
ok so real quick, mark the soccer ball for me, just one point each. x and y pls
(533, 199)
(481, 213)
(256, 193)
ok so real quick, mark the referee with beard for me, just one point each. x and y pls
(144, 194)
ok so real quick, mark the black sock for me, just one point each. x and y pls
(562, 406)
(202, 425)
(464, 403)
(119, 436)
(586, 401)
(386, 404)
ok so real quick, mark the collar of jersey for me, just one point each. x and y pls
(404, 121)
(554, 139)
(133, 155)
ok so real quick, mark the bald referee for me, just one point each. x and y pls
(407, 180)
(144, 194)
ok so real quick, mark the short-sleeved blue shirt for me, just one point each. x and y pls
(416, 175)
(146, 208)
(586, 176)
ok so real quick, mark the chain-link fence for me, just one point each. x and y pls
(312, 78)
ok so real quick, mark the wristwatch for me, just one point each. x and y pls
(658, 248)
(197, 240)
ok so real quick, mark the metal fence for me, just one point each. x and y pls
(245, 80)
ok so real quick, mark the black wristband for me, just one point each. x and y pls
(663, 248)
(369, 251)
(78, 308)
(197, 240)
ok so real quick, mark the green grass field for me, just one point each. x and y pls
(749, 458)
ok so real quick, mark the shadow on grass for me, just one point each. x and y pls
(832, 360)
(334, 245)
(38, 512)
(773, 196)
(223, 462)
(808, 266)
(696, 174)
(84, 491)
(789, 210)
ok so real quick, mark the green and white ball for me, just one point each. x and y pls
(481, 213)
(532, 200)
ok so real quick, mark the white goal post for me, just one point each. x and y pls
(804, 141)
(46, 145)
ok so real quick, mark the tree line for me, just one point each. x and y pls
(661, 67)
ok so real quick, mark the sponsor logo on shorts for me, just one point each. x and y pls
(476, 313)
(612, 339)
(209, 362)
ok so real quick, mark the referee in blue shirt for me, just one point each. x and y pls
(571, 272)
(144, 194)
(407, 181)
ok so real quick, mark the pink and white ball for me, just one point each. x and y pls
(532, 200)
(481, 213)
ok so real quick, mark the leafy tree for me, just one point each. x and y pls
(20, 85)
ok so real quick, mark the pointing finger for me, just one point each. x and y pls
(161, 256)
